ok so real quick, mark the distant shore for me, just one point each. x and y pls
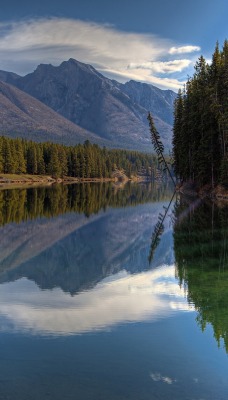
(16, 180)
(27, 180)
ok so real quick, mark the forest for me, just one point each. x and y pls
(18, 156)
(200, 132)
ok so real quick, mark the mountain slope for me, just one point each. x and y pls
(158, 102)
(24, 116)
(114, 112)
(8, 77)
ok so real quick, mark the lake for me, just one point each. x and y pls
(111, 292)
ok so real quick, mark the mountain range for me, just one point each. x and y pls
(74, 102)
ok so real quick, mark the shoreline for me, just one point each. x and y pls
(8, 181)
(218, 193)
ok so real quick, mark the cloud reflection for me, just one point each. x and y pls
(157, 377)
(124, 298)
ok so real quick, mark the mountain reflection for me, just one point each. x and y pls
(121, 298)
(201, 252)
(74, 252)
(94, 272)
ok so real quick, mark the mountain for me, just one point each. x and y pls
(22, 115)
(114, 112)
(159, 102)
(8, 77)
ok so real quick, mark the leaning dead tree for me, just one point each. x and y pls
(158, 147)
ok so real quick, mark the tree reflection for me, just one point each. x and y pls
(159, 229)
(201, 252)
(18, 205)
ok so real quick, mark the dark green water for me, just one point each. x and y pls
(85, 315)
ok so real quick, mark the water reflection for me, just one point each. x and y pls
(18, 205)
(201, 252)
(74, 252)
(103, 259)
(77, 254)
(84, 315)
(120, 299)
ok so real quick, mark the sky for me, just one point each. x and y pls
(156, 42)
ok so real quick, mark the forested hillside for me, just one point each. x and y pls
(200, 134)
(19, 156)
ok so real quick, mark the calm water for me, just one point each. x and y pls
(106, 293)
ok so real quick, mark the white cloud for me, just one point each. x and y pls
(25, 44)
(184, 49)
(55, 38)
(143, 76)
(162, 67)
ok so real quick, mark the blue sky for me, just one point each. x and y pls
(156, 42)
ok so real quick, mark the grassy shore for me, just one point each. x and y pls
(27, 180)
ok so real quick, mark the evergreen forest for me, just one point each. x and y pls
(18, 156)
(200, 133)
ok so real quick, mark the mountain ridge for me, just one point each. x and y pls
(21, 115)
(115, 113)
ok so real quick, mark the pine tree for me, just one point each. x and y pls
(31, 157)
(1, 158)
(62, 157)
(20, 156)
(200, 142)
(177, 132)
(40, 160)
(9, 164)
(54, 167)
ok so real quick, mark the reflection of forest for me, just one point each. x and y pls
(18, 205)
(74, 252)
(201, 252)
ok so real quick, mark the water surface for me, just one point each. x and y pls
(94, 305)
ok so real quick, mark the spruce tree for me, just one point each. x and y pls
(200, 141)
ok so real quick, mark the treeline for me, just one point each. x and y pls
(18, 156)
(200, 134)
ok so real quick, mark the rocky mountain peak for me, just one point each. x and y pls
(112, 111)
